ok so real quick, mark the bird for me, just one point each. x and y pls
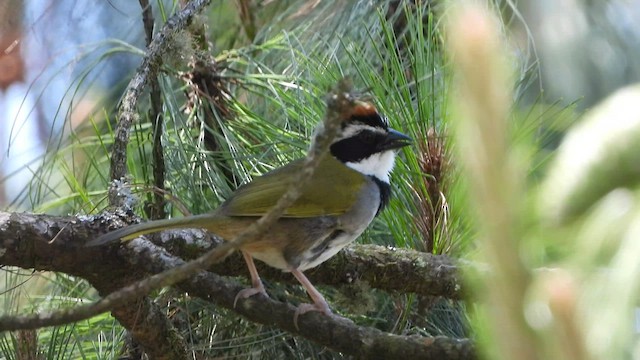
(349, 188)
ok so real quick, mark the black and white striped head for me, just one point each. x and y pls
(367, 144)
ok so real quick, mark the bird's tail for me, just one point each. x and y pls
(132, 231)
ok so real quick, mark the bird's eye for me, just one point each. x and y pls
(367, 137)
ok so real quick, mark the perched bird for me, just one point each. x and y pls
(347, 190)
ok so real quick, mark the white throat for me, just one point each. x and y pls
(378, 165)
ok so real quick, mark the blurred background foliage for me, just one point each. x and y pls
(240, 94)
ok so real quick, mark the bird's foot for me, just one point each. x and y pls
(248, 292)
(322, 307)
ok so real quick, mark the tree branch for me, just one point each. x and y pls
(389, 269)
(155, 208)
(336, 333)
(149, 326)
(400, 270)
(26, 241)
(147, 70)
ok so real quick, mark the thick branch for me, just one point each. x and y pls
(336, 333)
(25, 241)
(383, 268)
(151, 328)
(388, 269)
(40, 242)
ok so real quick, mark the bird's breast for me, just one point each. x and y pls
(325, 249)
(304, 243)
(344, 230)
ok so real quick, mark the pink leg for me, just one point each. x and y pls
(319, 303)
(256, 283)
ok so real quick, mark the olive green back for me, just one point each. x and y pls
(332, 190)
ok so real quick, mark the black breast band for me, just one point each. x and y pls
(385, 193)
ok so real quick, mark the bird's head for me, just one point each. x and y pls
(366, 143)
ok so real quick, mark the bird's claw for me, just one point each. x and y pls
(305, 308)
(248, 292)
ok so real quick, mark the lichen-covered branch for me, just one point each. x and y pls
(400, 270)
(26, 241)
(149, 327)
(147, 70)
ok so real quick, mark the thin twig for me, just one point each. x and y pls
(247, 18)
(147, 70)
(147, 20)
(156, 208)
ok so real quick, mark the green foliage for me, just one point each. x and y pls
(559, 237)
(273, 69)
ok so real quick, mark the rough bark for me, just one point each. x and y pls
(44, 242)
(149, 334)
(54, 243)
